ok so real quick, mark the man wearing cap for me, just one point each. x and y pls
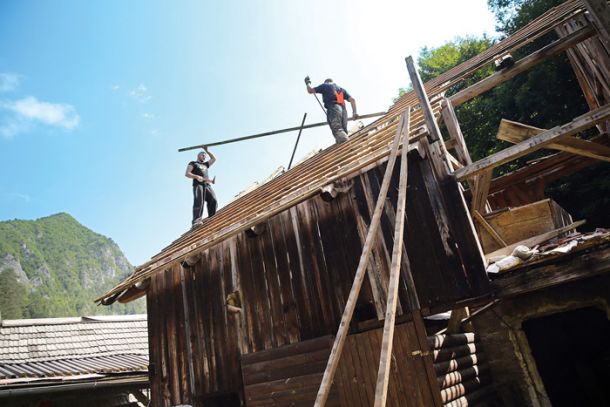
(202, 184)
(334, 98)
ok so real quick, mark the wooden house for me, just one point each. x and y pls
(281, 297)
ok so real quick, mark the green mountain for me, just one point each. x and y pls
(56, 267)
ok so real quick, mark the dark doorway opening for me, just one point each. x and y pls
(572, 354)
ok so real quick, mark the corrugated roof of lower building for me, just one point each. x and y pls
(58, 348)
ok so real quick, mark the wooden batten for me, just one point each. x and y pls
(522, 65)
(515, 132)
(537, 142)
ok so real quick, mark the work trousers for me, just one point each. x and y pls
(337, 120)
(203, 193)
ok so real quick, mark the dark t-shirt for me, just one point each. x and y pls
(329, 93)
(200, 169)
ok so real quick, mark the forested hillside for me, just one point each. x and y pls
(55, 267)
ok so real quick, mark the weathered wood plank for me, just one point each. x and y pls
(433, 130)
(562, 271)
(284, 271)
(481, 190)
(535, 143)
(455, 132)
(515, 132)
(600, 14)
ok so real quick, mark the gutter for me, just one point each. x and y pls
(134, 382)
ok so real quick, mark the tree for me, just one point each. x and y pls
(13, 298)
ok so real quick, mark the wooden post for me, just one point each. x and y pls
(335, 354)
(418, 86)
(480, 191)
(453, 126)
(381, 390)
(600, 15)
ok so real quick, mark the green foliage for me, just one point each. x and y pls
(511, 15)
(545, 96)
(13, 298)
(434, 61)
(65, 266)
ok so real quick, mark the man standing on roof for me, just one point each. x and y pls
(334, 98)
(202, 184)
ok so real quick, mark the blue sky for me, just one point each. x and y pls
(97, 96)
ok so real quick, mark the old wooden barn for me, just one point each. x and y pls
(262, 304)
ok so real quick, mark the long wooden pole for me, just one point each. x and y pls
(270, 133)
(294, 150)
(433, 130)
(335, 354)
(385, 359)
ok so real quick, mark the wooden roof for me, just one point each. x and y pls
(369, 146)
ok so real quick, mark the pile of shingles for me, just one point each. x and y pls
(367, 147)
(549, 250)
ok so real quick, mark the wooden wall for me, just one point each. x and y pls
(295, 277)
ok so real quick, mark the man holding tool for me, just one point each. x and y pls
(334, 98)
(202, 189)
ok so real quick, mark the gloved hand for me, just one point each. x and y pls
(307, 80)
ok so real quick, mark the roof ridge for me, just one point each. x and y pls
(10, 323)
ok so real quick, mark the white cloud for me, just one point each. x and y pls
(140, 93)
(29, 110)
(53, 114)
(115, 88)
(8, 81)
(148, 116)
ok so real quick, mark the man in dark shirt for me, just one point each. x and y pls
(334, 98)
(202, 189)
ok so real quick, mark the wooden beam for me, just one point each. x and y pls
(575, 267)
(455, 132)
(515, 132)
(455, 321)
(385, 359)
(522, 65)
(481, 190)
(454, 161)
(270, 133)
(433, 130)
(490, 229)
(535, 143)
(599, 11)
(337, 349)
